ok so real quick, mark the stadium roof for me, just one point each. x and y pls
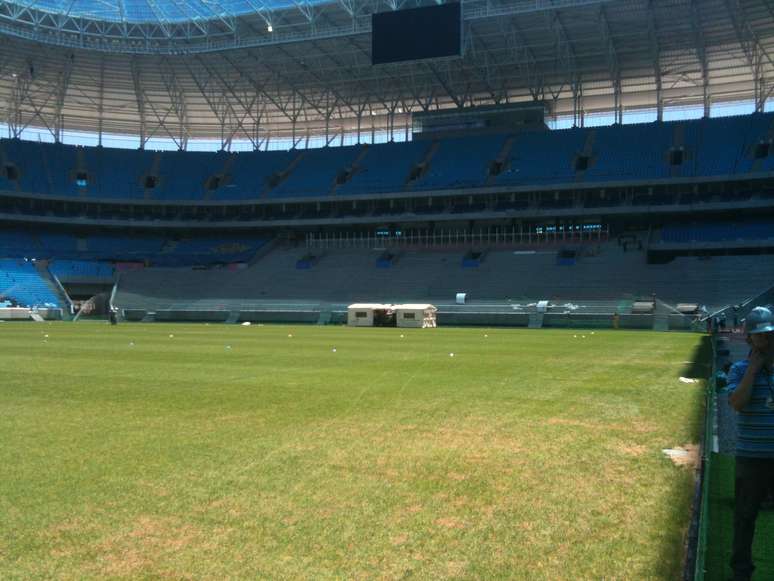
(299, 68)
(150, 11)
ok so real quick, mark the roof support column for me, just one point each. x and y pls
(659, 95)
(140, 98)
(63, 82)
(19, 94)
(701, 54)
(328, 113)
(655, 53)
(101, 100)
(578, 119)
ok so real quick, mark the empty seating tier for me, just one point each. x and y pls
(732, 146)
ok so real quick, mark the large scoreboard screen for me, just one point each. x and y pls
(416, 33)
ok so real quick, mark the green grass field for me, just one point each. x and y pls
(128, 453)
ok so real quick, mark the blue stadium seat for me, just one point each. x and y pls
(316, 173)
(22, 284)
(630, 152)
(250, 173)
(712, 147)
(462, 162)
(542, 157)
(66, 270)
(385, 168)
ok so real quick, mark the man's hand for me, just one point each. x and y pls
(758, 359)
(743, 392)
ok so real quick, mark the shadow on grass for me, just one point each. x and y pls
(681, 548)
(700, 365)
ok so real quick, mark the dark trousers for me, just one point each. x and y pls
(754, 479)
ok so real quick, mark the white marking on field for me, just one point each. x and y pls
(687, 455)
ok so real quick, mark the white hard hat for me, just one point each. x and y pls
(759, 320)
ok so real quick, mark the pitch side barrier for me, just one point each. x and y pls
(25, 314)
(698, 533)
(480, 315)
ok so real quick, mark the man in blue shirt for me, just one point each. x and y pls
(751, 389)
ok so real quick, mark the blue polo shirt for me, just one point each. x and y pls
(755, 423)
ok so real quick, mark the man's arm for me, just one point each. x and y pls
(740, 397)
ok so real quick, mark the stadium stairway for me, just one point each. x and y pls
(56, 288)
(535, 320)
(500, 161)
(350, 170)
(422, 167)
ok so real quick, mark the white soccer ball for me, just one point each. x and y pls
(451, 354)
(171, 336)
(290, 336)
(334, 349)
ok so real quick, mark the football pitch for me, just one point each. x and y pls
(305, 452)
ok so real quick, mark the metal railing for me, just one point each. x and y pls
(440, 238)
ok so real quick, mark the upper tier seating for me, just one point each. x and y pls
(316, 172)
(460, 163)
(21, 283)
(184, 174)
(630, 152)
(250, 173)
(542, 157)
(385, 168)
(653, 151)
(116, 173)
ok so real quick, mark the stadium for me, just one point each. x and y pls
(552, 217)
